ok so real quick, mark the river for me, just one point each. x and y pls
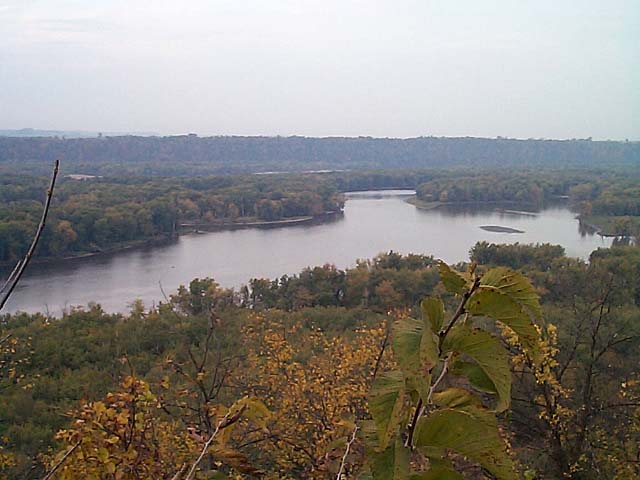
(373, 222)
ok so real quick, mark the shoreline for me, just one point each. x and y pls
(421, 204)
(166, 239)
(602, 228)
(424, 205)
(285, 222)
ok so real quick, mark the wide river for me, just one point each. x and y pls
(373, 222)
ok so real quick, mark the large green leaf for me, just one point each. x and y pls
(516, 286)
(433, 312)
(416, 350)
(476, 376)
(471, 432)
(453, 281)
(456, 398)
(386, 400)
(490, 302)
(390, 463)
(487, 351)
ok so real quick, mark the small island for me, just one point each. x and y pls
(499, 229)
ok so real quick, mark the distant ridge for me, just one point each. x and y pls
(34, 132)
(193, 155)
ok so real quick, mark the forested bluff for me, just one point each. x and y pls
(190, 154)
(134, 396)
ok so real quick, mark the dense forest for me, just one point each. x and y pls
(98, 214)
(190, 154)
(138, 393)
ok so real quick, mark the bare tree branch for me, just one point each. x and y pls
(11, 276)
(379, 358)
(61, 461)
(227, 420)
(346, 453)
(8, 288)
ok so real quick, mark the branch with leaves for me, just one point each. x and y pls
(447, 371)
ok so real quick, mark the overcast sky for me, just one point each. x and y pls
(398, 68)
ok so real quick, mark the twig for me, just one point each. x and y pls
(379, 359)
(11, 275)
(13, 280)
(61, 461)
(459, 311)
(346, 452)
(445, 368)
(421, 407)
(179, 473)
(224, 422)
(442, 336)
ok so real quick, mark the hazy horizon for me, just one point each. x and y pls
(83, 134)
(323, 69)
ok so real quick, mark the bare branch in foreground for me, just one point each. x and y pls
(9, 286)
(60, 462)
(346, 453)
(224, 422)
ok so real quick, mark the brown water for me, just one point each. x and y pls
(373, 222)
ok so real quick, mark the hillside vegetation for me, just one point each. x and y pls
(302, 352)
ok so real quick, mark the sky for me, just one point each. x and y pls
(397, 68)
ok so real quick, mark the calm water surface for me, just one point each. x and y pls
(373, 222)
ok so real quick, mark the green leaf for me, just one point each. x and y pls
(386, 400)
(490, 302)
(456, 398)
(516, 286)
(437, 473)
(416, 350)
(433, 312)
(476, 376)
(389, 463)
(452, 280)
(471, 432)
(487, 351)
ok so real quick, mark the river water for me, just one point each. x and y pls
(373, 222)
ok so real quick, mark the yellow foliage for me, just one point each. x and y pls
(123, 437)
(313, 383)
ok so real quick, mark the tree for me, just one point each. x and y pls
(314, 383)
